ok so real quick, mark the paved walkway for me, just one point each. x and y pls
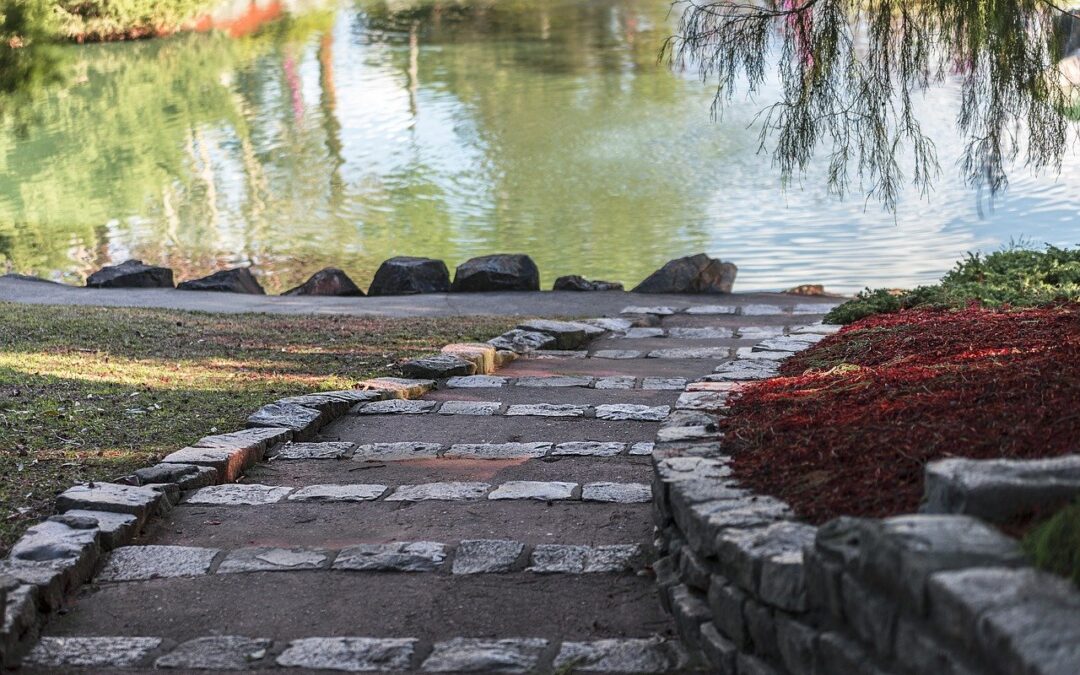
(541, 303)
(496, 524)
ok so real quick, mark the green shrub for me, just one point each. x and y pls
(1054, 545)
(1018, 277)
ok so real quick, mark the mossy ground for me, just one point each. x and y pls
(93, 393)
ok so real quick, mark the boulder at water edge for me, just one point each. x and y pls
(575, 282)
(405, 275)
(503, 272)
(131, 274)
(692, 274)
(329, 281)
(239, 280)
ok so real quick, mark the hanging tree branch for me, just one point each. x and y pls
(849, 71)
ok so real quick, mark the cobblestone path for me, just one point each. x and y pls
(498, 523)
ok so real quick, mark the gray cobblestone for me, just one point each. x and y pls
(620, 382)
(619, 493)
(138, 563)
(351, 492)
(485, 556)
(238, 494)
(446, 491)
(617, 354)
(395, 406)
(589, 449)
(273, 559)
(406, 556)
(664, 383)
(91, 652)
(349, 654)
(652, 655)
(396, 451)
(629, 412)
(554, 381)
(299, 451)
(470, 408)
(574, 559)
(474, 655)
(476, 382)
(547, 410)
(218, 652)
(533, 489)
(497, 450)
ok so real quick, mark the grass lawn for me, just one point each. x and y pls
(93, 393)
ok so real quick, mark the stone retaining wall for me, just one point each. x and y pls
(754, 591)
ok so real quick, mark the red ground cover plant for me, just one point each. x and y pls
(851, 422)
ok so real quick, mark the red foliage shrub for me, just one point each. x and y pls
(851, 422)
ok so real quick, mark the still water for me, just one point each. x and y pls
(344, 135)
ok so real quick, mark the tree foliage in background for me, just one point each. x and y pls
(850, 72)
(27, 56)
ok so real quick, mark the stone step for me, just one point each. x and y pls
(598, 367)
(419, 450)
(487, 385)
(621, 412)
(361, 654)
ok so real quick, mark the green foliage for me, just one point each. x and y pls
(850, 72)
(1054, 545)
(28, 59)
(112, 19)
(1017, 277)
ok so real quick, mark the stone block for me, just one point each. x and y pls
(237, 494)
(115, 529)
(691, 353)
(999, 489)
(398, 387)
(1039, 635)
(533, 489)
(689, 610)
(349, 654)
(391, 452)
(303, 422)
(635, 413)
(331, 404)
(574, 559)
(727, 602)
(547, 410)
(446, 491)
(622, 655)
(839, 654)
(871, 615)
(500, 272)
(481, 355)
(747, 664)
(139, 501)
(918, 649)
(693, 571)
(712, 310)
(641, 449)
(616, 493)
(497, 450)
(588, 449)
(644, 332)
(52, 580)
(899, 553)
(486, 556)
(614, 325)
(664, 383)
(617, 354)
(351, 492)
(654, 310)
(719, 651)
(523, 341)
(761, 626)
(702, 523)
(476, 382)
(91, 652)
(19, 624)
(567, 334)
(218, 652)
(701, 400)
(395, 406)
(796, 644)
(407, 275)
(823, 583)
(553, 381)
(746, 369)
(139, 563)
(273, 559)
(256, 440)
(741, 554)
(186, 476)
(481, 408)
(699, 333)
(438, 367)
(409, 556)
(616, 382)
(311, 451)
(474, 655)
(74, 549)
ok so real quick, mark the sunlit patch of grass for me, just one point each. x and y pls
(92, 393)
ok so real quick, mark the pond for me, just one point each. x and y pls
(344, 135)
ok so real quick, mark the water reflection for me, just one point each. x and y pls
(344, 137)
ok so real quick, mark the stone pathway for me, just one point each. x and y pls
(497, 523)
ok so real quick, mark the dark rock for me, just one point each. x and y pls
(239, 280)
(438, 367)
(405, 275)
(574, 282)
(131, 274)
(504, 272)
(692, 274)
(329, 281)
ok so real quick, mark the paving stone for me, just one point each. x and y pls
(395, 406)
(470, 408)
(497, 450)
(617, 354)
(611, 324)
(787, 343)
(815, 307)
(621, 382)
(629, 412)
(138, 563)
(747, 369)
(187, 476)
(398, 387)
(484, 356)
(1041, 636)
(338, 493)
(333, 450)
(406, 556)
(50, 541)
(218, 652)
(533, 489)
(701, 400)
(691, 353)
(474, 655)
(760, 332)
(664, 383)
(558, 354)
(392, 452)
(256, 439)
(547, 410)
(659, 311)
(646, 332)
(749, 353)
(91, 652)
(699, 333)
(523, 341)
(51, 581)
(138, 501)
(622, 655)
(762, 310)
(116, 529)
(238, 494)
(476, 382)
(619, 493)
(998, 489)
(711, 309)
(438, 366)
(714, 386)
(447, 491)
(334, 403)
(589, 449)
(228, 463)
(574, 559)
(555, 381)
(567, 334)
(300, 420)
(486, 556)
(641, 449)
(350, 654)
(272, 559)
(719, 650)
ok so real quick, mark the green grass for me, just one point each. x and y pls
(1017, 277)
(93, 393)
(1054, 545)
